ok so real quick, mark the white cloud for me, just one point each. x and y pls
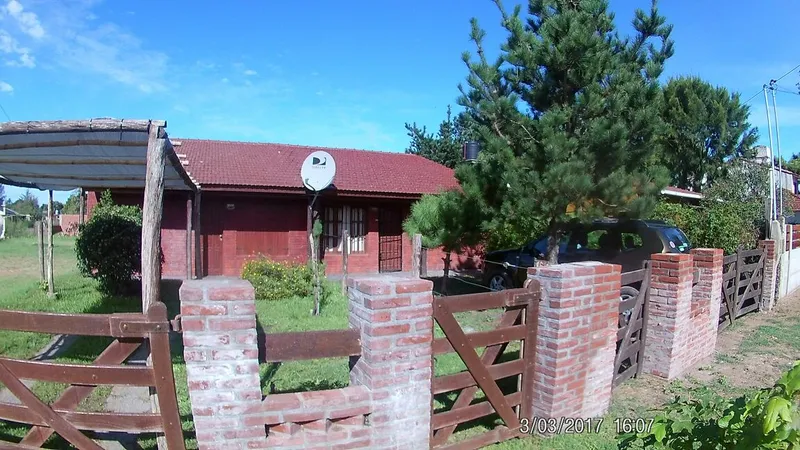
(250, 72)
(28, 22)
(20, 56)
(224, 80)
(5, 87)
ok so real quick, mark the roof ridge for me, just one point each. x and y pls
(298, 146)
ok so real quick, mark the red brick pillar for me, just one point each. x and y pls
(395, 316)
(770, 274)
(221, 353)
(669, 316)
(576, 341)
(706, 298)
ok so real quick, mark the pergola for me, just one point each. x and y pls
(100, 154)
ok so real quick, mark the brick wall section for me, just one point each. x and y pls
(706, 298)
(576, 342)
(768, 284)
(669, 315)
(395, 316)
(221, 353)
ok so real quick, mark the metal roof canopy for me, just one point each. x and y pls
(92, 154)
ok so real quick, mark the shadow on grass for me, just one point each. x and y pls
(459, 285)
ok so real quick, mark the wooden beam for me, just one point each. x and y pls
(198, 237)
(71, 143)
(416, 255)
(345, 254)
(50, 262)
(56, 126)
(189, 236)
(47, 160)
(151, 217)
(93, 177)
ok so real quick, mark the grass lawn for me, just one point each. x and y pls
(20, 290)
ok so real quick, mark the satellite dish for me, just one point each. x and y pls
(318, 171)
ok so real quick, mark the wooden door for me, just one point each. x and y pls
(390, 241)
(212, 228)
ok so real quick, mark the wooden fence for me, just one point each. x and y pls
(61, 417)
(633, 305)
(742, 280)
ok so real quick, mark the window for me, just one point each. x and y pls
(336, 220)
(631, 241)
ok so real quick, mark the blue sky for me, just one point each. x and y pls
(346, 74)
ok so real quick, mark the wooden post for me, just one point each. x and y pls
(314, 270)
(423, 262)
(198, 238)
(151, 216)
(416, 255)
(39, 228)
(189, 236)
(50, 259)
(446, 272)
(739, 264)
(345, 254)
(81, 207)
(309, 225)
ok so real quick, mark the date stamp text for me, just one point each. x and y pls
(560, 425)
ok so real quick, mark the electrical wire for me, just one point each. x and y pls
(787, 73)
(4, 112)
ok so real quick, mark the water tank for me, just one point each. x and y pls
(471, 150)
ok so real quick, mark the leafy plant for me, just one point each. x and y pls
(274, 280)
(767, 419)
(109, 245)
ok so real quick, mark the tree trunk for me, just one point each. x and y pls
(446, 272)
(552, 248)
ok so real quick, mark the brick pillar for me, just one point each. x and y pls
(770, 274)
(669, 315)
(576, 341)
(395, 316)
(221, 353)
(706, 299)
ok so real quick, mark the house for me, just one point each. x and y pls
(678, 195)
(253, 202)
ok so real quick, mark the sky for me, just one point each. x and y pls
(332, 74)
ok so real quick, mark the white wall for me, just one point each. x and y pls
(790, 272)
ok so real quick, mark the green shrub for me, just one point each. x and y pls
(108, 246)
(712, 225)
(16, 228)
(273, 280)
(767, 419)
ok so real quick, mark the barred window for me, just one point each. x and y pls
(340, 218)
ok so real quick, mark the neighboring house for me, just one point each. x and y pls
(253, 203)
(679, 195)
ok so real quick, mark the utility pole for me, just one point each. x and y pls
(778, 142)
(773, 206)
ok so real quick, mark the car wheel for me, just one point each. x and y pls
(627, 293)
(500, 281)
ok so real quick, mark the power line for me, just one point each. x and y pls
(773, 82)
(4, 112)
(787, 73)
(754, 96)
(785, 91)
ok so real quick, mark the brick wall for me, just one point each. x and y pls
(576, 339)
(706, 298)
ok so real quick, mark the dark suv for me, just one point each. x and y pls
(628, 243)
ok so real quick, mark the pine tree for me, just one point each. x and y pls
(568, 117)
(706, 127)
(445, 147)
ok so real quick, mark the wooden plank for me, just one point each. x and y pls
(77, 324)
(189, 236)
(38, 226)
(751, 267)
(498, 434)
(165, 381)
(628, 304)
(737, 278)
(465, 379)
(486, 300)
(87, 421)
(66, 161)
(50, 255)
(423, 264)
(748, 309)
(453, 417)
(484, 338)
(296, 346)
(729, 259)
(461, 343)
(80, 373)
(345, 256)
(633, 324)
(634, 276)
(198, 237)
(40, 411)
(645, 323)
(627, 374)
(752, 294)
(750, 253)
(488, 358)
(81, 207)
(116, 353)
(629, 351)
(528, 353)
(152, 212)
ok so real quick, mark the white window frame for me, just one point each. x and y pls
(343, 216)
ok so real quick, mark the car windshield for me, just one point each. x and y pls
(676, 240)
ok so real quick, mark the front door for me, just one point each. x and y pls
(212, 238)
(390, 240)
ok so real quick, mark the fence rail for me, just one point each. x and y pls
(303, 345)
(742, 282)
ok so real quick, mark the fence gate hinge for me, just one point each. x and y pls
(175, 324)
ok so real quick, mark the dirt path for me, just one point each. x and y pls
(750, 354)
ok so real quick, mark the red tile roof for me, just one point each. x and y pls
(257, 165)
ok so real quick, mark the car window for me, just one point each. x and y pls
(595, 238)
(631, 241)
(676, 240)
(541, 245)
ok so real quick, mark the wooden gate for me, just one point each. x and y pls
(742, 276)
(390, 237)
(62, 417)
(504, 378)
(634, 302)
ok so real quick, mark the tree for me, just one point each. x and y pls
(706, 126)
(443, 147)
(72, 206)
(793, 164)
(569, 118)
(27, 204)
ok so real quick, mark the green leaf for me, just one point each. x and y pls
(659, 430)
(774, 410)
(725, 421)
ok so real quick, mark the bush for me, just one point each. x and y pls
(712, 225)
(16, 228)
(109, 245)
(767, 419)
(273, 280)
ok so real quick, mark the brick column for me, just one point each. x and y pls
(576, 341)
(395, 316)
(221, 353)
(669, 315)
(706, 299)
(770, 274)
